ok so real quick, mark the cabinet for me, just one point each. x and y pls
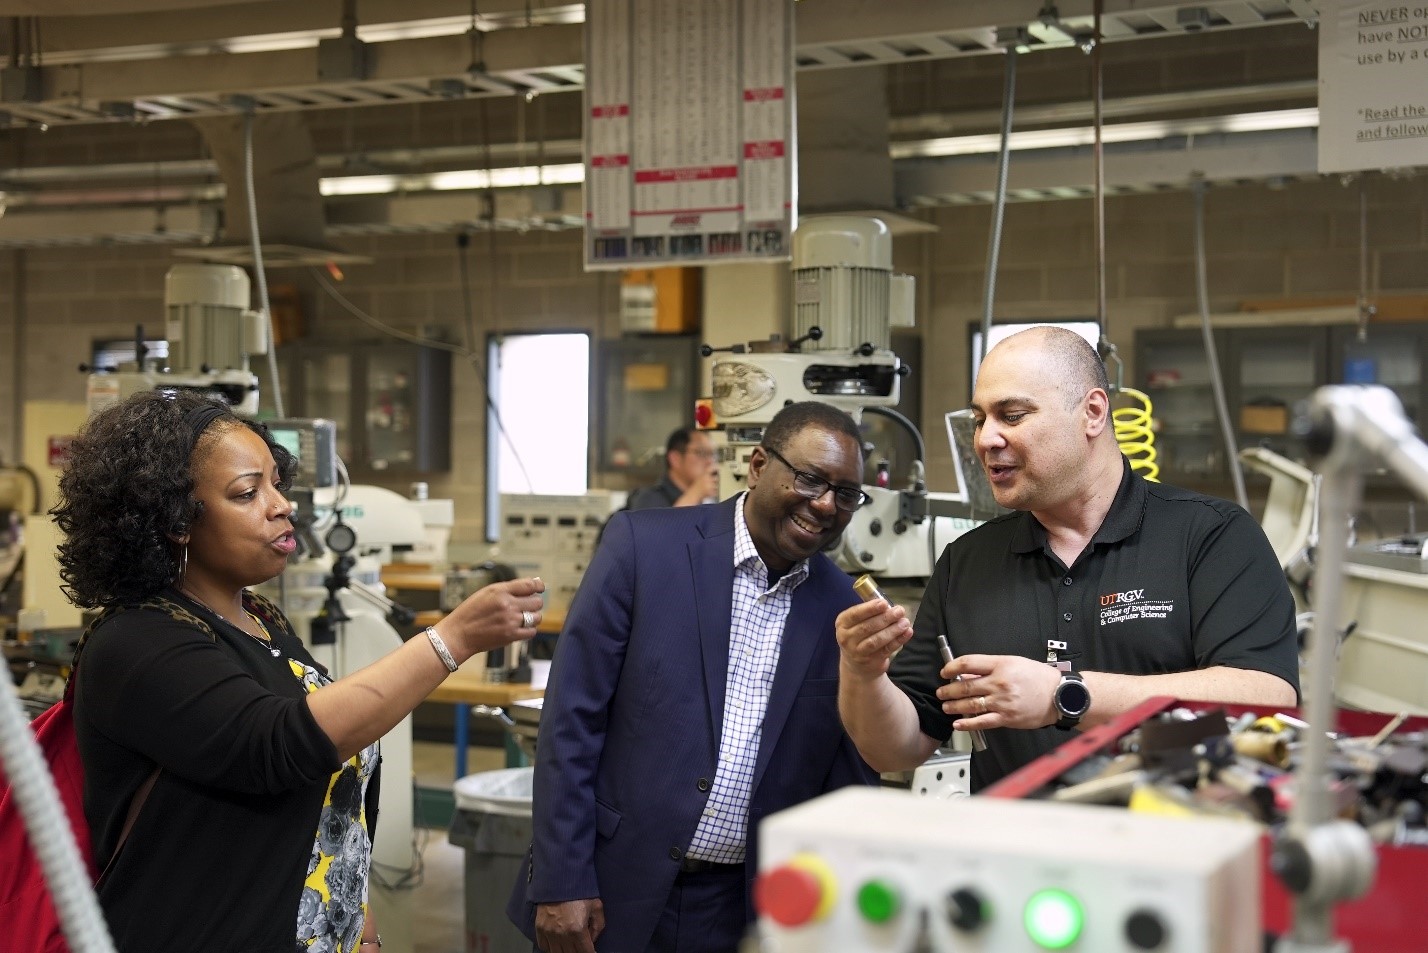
(1391, 355)
(391, 401)
(1174, 371)
(1267, 372)
(647, 389)
(1271, 371)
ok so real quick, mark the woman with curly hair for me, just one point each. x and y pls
(254, 773)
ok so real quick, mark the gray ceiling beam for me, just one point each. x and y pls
(831, 34)
(1129, 167)
(923, 125)
(174, 31)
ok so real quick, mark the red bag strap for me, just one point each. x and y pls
(135, 805)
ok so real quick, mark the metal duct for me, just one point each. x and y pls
(843, 160)
(285, 178)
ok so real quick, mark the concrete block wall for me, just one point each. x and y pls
(518, 283)
(12, 347)
(70, 297)
(1298, 240)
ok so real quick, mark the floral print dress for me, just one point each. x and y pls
(333, 907)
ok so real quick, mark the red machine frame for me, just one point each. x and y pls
(1388, 919)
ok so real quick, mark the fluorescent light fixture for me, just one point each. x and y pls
(305, 39)
(571, 173)
(1306, 118)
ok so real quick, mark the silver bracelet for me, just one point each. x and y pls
(442, 651)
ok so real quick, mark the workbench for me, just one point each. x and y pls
(466, 688)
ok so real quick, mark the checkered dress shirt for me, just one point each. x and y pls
(755, 637)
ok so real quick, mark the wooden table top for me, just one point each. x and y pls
(471, 688)
(550, 622)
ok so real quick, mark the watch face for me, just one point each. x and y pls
(1073, 697)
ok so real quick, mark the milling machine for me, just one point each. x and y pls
(846, 301)
(211, 333)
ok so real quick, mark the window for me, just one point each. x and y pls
(537, 418)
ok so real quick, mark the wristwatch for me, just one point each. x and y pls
(1073, 700)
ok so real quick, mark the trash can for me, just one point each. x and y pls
(492, 822)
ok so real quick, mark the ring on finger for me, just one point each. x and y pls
(527, 619)
(982, 701)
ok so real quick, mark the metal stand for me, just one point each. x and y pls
(1321, 860)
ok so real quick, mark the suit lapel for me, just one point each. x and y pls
(711, 560)
(800, 642)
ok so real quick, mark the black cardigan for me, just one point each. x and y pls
(217, 857)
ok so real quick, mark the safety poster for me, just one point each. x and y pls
(1373, 84)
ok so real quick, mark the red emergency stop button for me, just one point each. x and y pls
(704, 413)
(798, 892)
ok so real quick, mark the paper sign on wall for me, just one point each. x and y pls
(689, 139)
(1373, 84)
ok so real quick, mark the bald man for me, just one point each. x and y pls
(1102, 590)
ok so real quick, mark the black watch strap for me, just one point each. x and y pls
(1071, 717)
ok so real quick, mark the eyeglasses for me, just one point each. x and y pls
(811, 486)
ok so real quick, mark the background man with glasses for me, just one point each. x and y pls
(693, 692)
(690, 474)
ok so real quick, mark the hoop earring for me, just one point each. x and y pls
(183, 565)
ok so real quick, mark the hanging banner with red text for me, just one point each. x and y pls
(689, 136)
(1373, 84)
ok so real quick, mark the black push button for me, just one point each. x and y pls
(1145, 930)
(966, 910)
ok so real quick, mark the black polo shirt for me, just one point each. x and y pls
(663, 493)
(1172, 581)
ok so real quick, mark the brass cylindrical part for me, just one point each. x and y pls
(867, 589)
(1271, 748)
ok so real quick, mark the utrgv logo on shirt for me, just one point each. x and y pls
(1133, 605)
(1116, 598)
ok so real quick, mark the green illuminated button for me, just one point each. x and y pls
(878, 901)
(1053, 919)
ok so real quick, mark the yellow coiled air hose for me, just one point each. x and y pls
(1135, 434)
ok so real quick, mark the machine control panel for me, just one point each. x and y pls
(313, 441)
(883, 870)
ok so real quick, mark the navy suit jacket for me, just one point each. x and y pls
(629, 733)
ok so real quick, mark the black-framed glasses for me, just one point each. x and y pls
(811, 486)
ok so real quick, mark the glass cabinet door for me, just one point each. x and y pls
(1174, 372)
(1275, 369)
(327, 392)
(1388, 355)
(388, 417)
(648, 387)
(391, 402)
(404, 408)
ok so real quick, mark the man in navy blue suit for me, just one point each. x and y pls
(693, 693)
